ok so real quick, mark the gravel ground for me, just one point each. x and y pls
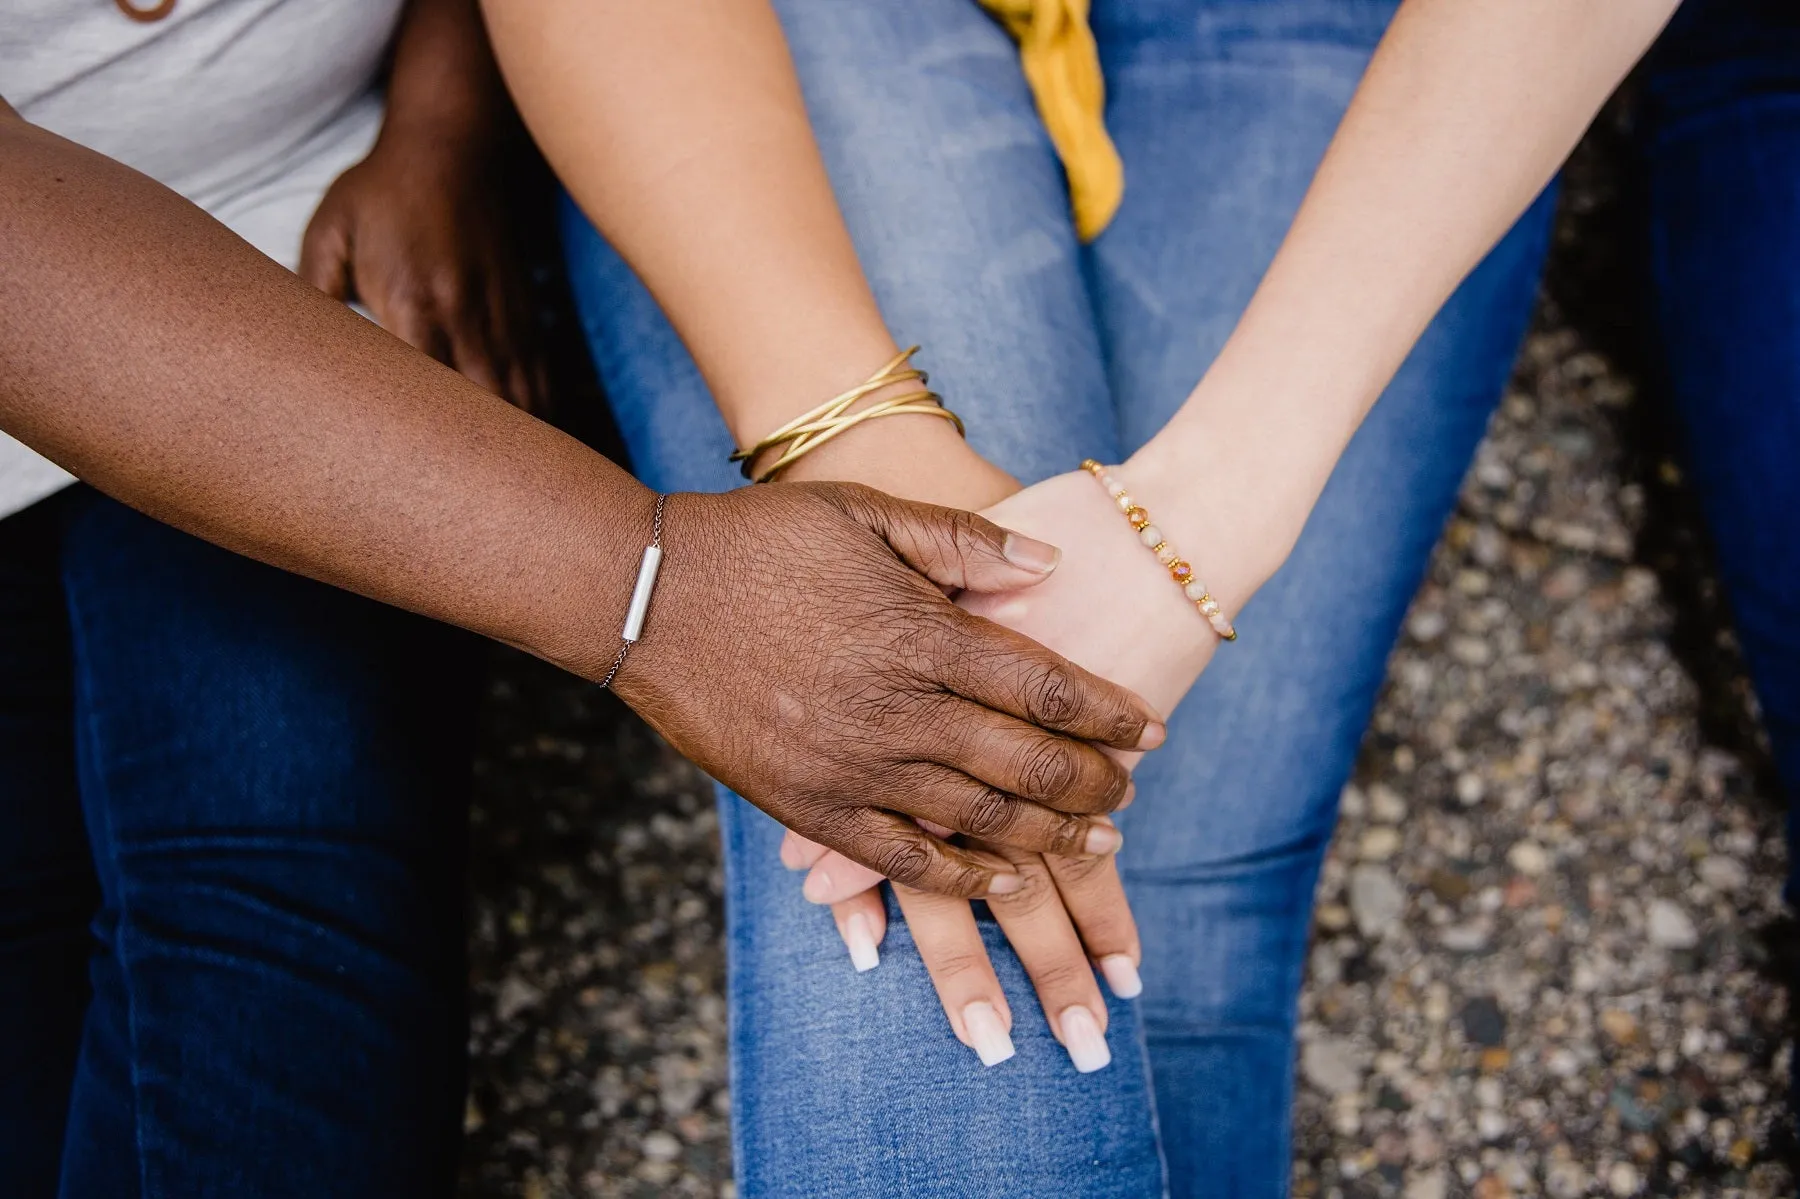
(1549, 936)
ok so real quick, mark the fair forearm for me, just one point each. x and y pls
(691, 150)
(1467, 110)
(680, 130)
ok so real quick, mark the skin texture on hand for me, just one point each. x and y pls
(801, 649)
(1069, 912)
(417, 235)
(800, 645)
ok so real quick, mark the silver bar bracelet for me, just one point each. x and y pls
(640, 594)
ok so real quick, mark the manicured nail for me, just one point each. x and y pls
(1039, 557)
(1081, 1037)
(1103, 838)
(1154, 734)
(817, 887)
(985, 1029)
(790, 855)
(1005, 884)
(861, 940)
(1121, 976)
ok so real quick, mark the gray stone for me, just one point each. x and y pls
(1670, 926)
(1722, 873)
(1376, 900)
(1331, 1065)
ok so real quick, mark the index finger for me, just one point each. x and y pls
(1011, 673)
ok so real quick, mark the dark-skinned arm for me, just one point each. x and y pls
(800, 647)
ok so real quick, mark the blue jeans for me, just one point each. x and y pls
(1719, 145)
(232, 831)
(852, 1085)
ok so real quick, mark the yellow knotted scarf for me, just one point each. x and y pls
(1062, 65)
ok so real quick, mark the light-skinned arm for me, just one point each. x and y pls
(1467, 110)
(692, 153)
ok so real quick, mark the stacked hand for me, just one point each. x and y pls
(815, 615)
(419, 235)
(1111, 608)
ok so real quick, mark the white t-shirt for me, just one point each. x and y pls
(249, 108)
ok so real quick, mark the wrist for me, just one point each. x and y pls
(576, 619)
(1234, 493)
(915, 457)
(460, 131)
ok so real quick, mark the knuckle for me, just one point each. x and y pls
(448, 284)
(987, 814)
(1050, 696)
(1047, 771)
(1035, 890)
(965, 530)
(1124, 724)
(901, 860)
(1069, 839)
(1076, 871)
(1063, 974)
(958, 963)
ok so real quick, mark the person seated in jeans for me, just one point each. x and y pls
(1280, 275)
(232, 798)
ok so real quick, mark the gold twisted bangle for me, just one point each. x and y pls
(810, 430)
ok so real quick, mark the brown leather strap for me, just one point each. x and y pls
(155, 12)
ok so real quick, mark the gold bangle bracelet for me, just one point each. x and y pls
(810, 430)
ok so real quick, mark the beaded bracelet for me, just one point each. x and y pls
(1151, 536)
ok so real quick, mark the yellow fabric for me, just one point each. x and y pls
(1062, 65)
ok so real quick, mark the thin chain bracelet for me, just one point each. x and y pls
(640, 595)
(1151, 536)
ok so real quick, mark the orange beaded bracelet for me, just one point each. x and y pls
(1151, 536)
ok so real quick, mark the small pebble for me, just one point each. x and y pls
(1670, 926)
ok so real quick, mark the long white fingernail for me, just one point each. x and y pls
(1122, 976)
(1081, 1036)
(861, 940)
(817, 887)
(992, 1042)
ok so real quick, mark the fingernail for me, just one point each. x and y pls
(1103, 838)
(863, 954)
(1081, 1037)
(1121, 975)
(1005, 884)
(1130, 794)
(1154, 734)
(985, 1029)
(1037, 556)
(817, 887)
(790, 855)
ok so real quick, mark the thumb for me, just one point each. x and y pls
(961, 550)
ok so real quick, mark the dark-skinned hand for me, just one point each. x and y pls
(419, 234)
(802, 649)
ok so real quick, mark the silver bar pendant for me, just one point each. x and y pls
(640, 595)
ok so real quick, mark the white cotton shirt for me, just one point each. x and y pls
(249, 108)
